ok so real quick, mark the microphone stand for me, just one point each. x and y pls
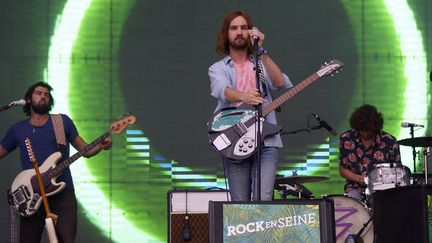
(258, 116)
(3, 108)
(308, 130)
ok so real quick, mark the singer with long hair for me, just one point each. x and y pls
(233, 82)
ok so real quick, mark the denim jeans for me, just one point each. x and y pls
(356, 195)
(64, 205)
(241, 176)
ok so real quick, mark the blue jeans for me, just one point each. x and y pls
(241, 176)
(356, 195)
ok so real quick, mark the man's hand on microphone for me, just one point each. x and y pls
(254, 32)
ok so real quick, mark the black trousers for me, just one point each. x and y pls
(64, 205)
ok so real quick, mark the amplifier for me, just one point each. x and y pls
(188, 214)
(403, 214)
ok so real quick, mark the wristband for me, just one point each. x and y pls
(261, 51)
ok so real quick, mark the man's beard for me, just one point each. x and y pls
(41, 108)
(240, 46)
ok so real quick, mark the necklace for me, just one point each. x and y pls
(35, 123)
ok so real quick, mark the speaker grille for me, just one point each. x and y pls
(198, 227)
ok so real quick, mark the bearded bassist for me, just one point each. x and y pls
(40, 129)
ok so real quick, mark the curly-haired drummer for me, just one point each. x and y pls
(362, 146)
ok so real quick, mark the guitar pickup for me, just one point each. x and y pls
(240, 128)
(221, 142)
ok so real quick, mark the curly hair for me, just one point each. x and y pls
(222, 44)
(367, 118)
(28, 96)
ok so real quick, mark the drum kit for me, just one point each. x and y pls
(425, 142)
(352, 212)
(351, 216)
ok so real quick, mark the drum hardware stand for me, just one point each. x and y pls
(359, 234)
(288, 190)
(357, 238)
(414, 153)
(426, 154)
(297, 190)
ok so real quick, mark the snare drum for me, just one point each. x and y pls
(384, 176)
(350, 217)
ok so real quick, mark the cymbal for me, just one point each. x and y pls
(417, 142)
(299, 179)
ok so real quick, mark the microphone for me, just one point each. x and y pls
(324, 124)
(254, 37)
(20, 102)
(407, 124)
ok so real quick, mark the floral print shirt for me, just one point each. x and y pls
(354, 156)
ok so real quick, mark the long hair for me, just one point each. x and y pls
(367, 118)
(222, 45)
(28, 96)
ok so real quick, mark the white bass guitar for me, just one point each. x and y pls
(24, 194)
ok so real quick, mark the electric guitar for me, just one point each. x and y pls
(232, 130)
(24, 194)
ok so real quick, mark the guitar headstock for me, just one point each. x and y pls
(30, 150)
(330, 67)
(119, 126)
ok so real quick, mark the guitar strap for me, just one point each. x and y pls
(59, 131)
(266, 90)
(261, 78)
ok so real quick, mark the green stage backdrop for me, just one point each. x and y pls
(106, 58)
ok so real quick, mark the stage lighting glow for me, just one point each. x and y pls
(94, 198)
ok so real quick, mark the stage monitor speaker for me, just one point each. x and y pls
(293, 221)
(401, 214)
(188, 214)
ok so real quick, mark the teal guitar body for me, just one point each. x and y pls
(232, 132)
